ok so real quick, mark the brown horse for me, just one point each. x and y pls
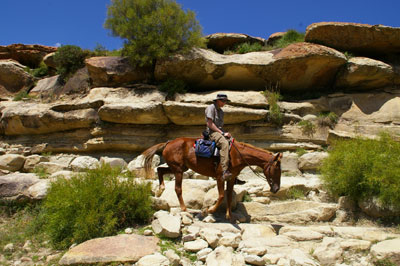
(179, 155)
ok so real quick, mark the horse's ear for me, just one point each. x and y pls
(278, 157)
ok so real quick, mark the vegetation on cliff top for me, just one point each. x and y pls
(152, 29)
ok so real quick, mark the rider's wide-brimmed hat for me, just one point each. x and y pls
(222, 97)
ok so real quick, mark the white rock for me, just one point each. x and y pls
(210, 235)
(195, 246)
(254, 260)
(230, 240)
(154, 259)
(355, 244)
(312, 161)
(329, 251)
(209, 219)
(202, 254)
(84, 162)
(301, 234)
(298, 258)
(113, 162)
(148, 232)
(12, 162)
(138, 162)
(9, 247)
(167, 225)
(272, 258)
(259, 251)
(128, 230)
(172, 257)
(64, 174)
(387, 249)
(39, 190)
(224, 256)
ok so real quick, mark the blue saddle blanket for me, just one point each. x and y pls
(205, 148)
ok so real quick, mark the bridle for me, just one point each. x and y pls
(254, 171)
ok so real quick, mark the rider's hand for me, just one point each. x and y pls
(227, 135)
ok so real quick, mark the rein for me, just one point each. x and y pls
(254, 171)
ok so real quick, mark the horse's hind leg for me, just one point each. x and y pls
(161, 171)
(178, 189)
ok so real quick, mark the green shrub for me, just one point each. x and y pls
(307, 127)
(94, 204)
(152, 29)
(69, 59)
(172, 86)
(364, 168)
(327, 119)
(291, 36)
(294, 193)
(244, 48)
(300, 151)
(22, 95)
(275, 114)
(41, 71)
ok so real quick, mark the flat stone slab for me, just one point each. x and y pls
(120, 248)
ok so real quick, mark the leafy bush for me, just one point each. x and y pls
(152, 29)
(307, 127)
(328, 119)
(294, 193)
(172, 86)
(291, 36)
(41, 71)
(363, 168)
(21, 96)
(94, 204)
(275, 114)
(244, 48)
(69, 59)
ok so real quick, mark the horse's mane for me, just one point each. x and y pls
(253, 147)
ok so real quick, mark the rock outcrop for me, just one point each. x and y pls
(112, 71)
(298, 67)
(13, 78)
(355, 37)
(26, 54)
(221, 42)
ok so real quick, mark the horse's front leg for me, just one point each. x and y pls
(229, 192)
(220, 186)
(178, 189)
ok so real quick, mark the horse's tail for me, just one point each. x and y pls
(148, 157)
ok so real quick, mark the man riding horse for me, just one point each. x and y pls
(215, 122)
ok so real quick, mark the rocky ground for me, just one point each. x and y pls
(300, 225)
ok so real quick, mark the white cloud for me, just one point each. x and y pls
(57, 44)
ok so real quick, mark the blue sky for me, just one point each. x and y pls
(80, 22)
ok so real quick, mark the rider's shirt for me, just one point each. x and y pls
(216, 115)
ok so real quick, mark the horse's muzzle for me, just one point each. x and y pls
(275, 188)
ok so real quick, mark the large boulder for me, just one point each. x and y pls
(20, 186)
(31, 118)
(355, 37)
(13, 77)
(113, 71)
(46, 87)
(362, 73)
(300, 66)
(119, 249)
(389, 250)
(27, 54)
(12, 162)
(79, 83)
(221, 42)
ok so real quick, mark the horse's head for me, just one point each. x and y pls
(272, 171)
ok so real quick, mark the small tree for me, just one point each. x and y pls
(69, 59)
(152, 29)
